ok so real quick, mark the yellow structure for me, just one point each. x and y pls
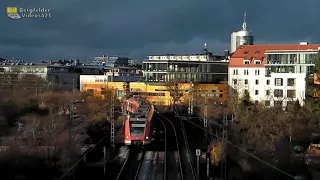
(316, 81)
(216, 154)
(158, 94)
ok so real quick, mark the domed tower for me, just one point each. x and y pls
(242, 37)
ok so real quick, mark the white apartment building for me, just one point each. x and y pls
(24, 68)
(272, 74)
(59, 76)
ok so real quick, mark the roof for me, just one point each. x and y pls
(257, 52)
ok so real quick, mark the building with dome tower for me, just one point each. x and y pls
(243, 37)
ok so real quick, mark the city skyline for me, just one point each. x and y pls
(137, 29)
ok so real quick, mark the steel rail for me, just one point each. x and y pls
(177, 143)
(139, 165)
(165, 151)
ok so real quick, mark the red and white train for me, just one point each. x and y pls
(138, 127)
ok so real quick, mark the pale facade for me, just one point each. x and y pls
(247, 79)
(284, 88)
(274, 75)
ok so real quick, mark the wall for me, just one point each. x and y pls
(65, 81)
(221, 91)
(300, 87)
(160, 89)
(107, 78)
(262, 85)
(252, 75)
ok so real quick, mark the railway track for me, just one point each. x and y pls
(187, 168)
(188, 165)
(188, 153)
(131, 166)
(173, 169)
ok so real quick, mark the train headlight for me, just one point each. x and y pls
(147, 137)
(127, 137)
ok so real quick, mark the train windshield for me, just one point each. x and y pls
(137, 128)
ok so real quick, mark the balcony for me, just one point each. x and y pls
(294, 58)
(281, 69)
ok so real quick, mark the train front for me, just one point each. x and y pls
(137, 125)
(136, 132)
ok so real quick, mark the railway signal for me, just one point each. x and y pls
(198, 153)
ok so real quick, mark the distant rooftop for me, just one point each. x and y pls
(258, 52)
(5, 62)
(109, 61)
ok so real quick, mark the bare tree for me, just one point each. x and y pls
(177, 90)
(46, 136)
(22, 86)
(268, 132)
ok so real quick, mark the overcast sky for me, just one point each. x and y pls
(136, 28)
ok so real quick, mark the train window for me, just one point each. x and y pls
(137, 128)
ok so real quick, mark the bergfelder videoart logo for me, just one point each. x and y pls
(35, 13)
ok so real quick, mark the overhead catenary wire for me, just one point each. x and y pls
(239, 148)
(244, 151)
(104, 137)
(73, 166)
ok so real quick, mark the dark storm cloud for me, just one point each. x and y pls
(82, 29)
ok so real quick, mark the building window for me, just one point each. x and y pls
(268, 82)
(257, 72)
(278, 82)
(257, 82)
(267, 103)
(256, 92)
(267, 92)
(278, 93)
(246, 72)
(291, 93)
(256, 102)
(277, 103)
(235, 72)
(291, 82)
(246, 81)
(246, 92)
(246, 62)
(235, 82)
(257, 62)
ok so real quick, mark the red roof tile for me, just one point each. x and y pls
(257, 52)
